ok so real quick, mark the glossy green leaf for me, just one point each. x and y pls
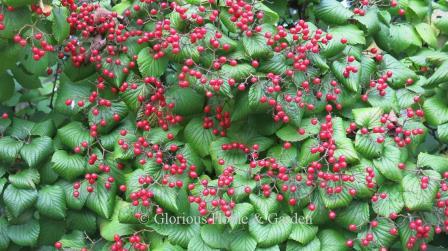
(18, 200)
(264, 206)
(150, 67)
(60, 26)
(37, 150)
(102, 200)
(416, 198)
(68, 166)
(51, 202)
(332, 12)
(270, 234)
(25, 234)
(393, 203)
(198, 136)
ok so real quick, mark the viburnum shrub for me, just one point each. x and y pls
(223, 125)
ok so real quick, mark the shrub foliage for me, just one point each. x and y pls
(244, 116)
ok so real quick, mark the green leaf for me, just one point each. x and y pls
(74, 92)
(178, 234)
(199, 137)
(51, 231)
(9, 148)
(320, 214)
(224, 17)
(400, 73)
(73, 134)
(25, 234)
(436, 110)
(271, 234)
(51, 202)
(264, 206)
(368, 146)
(402, 37)
(277, 65)
(73, 240)
(331, 240)
(106, 114)
(159, 136)
(18, 200)
(242, 109)
(18, 3)
(356, 213)
(240, 211)
(270, 16)
(416, 198)
(187, 101)
(72, 202)
(292, 109)
(352, 33)
(417, 10)
(369, 68)
(131, 96)
(150, 67)
(68, 166)
(83, 220)
(237, 72)
(198, 244)
(335, 200)
(101, 200)
(37, 151)
(291, 134)
(303, 233)
(360, 184)
(368, 117)
(20, 129)
(381, 233)
(215, 236)
(393, 203)
(14, 21)
(109, 228)
(8, 86)
(189, 50)
(427, 34)
(353, 82)
(344, 147)
(388, 163)
(27, 178)
(256, 46)
(440, 20)
(60, 26)
(126, 214)
(332, 12)
(230, 157)
(166, 197)
(442, 131)
(305, 156)
(369, 22)
(314, 245)
(256, 92)
(437, 163)
(44, 128)
(387, 102)
(243, 241)
(241, 182)
(439, 76)
(4, 239)
(132, 184)
(284, 156)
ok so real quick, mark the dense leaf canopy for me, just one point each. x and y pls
(235, 125)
